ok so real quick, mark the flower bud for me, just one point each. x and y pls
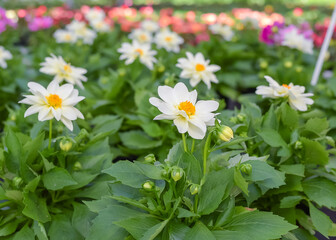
(298, 69)
(17, 181)
(122, 72)
(148, 186)
(263, 64)
(330, 141)
(298, 145)
(150, 158)
(194, 189)
(176, 173)
(225, 133)
(246, 168)
(77, 166)
(288, 64)
(165, 173)
(241, 117)
(161, 68)
(13, 117)
(65, 144)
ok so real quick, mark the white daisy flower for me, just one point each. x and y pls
(134, 50)
(81, 31)
(180, 105)
(250, 21)
(141, 36)
(54, 102)
(297, 99)
(64, 36)
(293, 39)
(100, 26)
(168, 40)
(197, 69)
(149, 25)
(224, 30)
(95, 14)
(63, 71)
(4, 56)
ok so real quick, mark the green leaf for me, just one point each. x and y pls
(240, 181)
(265, 175)
(154, 231)
(314, 152)
(8, 228)
(25, 234)
(289, 116)
(199, 232)
(226, 215)
(123, 170)
(212, 193)
(317, 125)
(177, 230)
(40, 231)
(138, 226)
(32, 185)
(81, 218)
(57, 179)
(230, 235)
(61, 228)
(294, 169)
(15, 149)
(274, 139)
(138, 140)
(321, 221)
(259, 225)
(103, 227)
(184, 213)
(290, 201)
(187, 161)
(320, 190)
(35, 207)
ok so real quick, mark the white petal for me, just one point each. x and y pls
(182, 124)
(67, 123)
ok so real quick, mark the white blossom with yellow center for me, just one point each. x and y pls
(197, 69)
(54, 102)
(293, 39)
(141, 36)
(95, 14)
(149, 25)
(61, 70)
(297, 99)
(224, 30)
(179, 105)
(64, 36)
(81, 31)
(168, 40)
(100, 26)
(134, 50)
(4, 56)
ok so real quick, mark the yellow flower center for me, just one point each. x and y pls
(140, 51)
(54, 101)
(168, 39)
(143, 37)
(67, 68)
(286, 86)
(188, 107)
(199, 67)
(68, 37)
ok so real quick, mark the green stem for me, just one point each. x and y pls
(50, 133)
(206, 152)
(184, 142)
(196, 203)
(193, 146)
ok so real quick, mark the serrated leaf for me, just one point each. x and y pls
(321, 221)
(57, 178)
(320, 190)
(259, 225)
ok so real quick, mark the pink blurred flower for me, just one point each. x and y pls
(202, 37)
(297, 12)
(39, 23)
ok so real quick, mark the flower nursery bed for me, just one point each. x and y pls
(124, 123)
